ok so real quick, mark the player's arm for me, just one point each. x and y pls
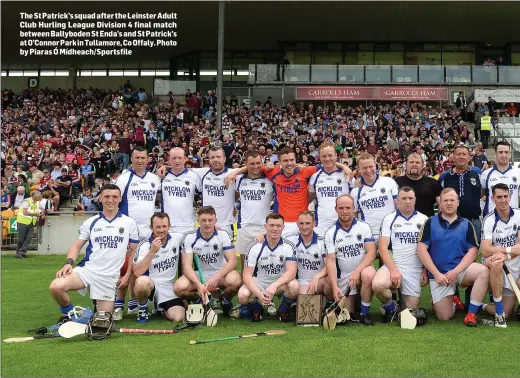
(233, 175)
(346, 170)
(144, 258)
(291, 268)
(231, 258)
(312, 193)
(72, 255)
(250, 283)
(330, 266)
(424, 255)
(471, 254)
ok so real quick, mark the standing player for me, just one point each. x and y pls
(377, 196)
(402, 268)
(110, 234)
(291, 187)
(139, 189)
(217, 261)
(448, 249)
(325, 186)
(255, 192)
(350, 250)
(178, 193)
(155, 266)
(503, 172)
(500, 246)
(270, 269)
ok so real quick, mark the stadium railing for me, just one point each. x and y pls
(382, 74)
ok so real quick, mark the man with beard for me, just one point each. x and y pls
(427, 189)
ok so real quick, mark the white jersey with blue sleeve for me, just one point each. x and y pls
(404, 237)
(138, 198)
(310, 258)
(269, 264)
(178, 195)
(492, 176)
(374, 202)
(107, 243)
(503, 233)
(328, 187)
(217, 195)
(348, 245)
(211, 251)
(256, 195)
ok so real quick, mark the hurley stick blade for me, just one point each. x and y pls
(71, 329)
(407, 320)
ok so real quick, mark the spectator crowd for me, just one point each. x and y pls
(67, 144)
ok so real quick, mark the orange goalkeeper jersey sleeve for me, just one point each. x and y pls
(291, 192)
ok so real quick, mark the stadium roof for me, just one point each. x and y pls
(263, 25)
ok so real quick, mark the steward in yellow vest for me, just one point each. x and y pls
(26, 220)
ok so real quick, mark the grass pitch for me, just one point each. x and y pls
(449, 349)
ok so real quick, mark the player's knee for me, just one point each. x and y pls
(378, 285)
(176, 315)
(367, 275)
(143, 285)
(482, 272)
(293, 287)
(180, 286)
(243, 295)
(234, 280)
(57, 286)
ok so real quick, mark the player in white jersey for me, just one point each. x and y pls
(311, 255)
(255, 192)
(109, 234)
(500, 245)
(217, 262)
(351, 250)
(270, 269)
(503, 172)
(402, 268)
(377, 196)
(325, 186)
(140, 190)
(156, 263)
(178, 193)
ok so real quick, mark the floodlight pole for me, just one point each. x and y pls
(220, 62)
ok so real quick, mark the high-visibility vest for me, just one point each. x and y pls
(33, 208)
(485, 123)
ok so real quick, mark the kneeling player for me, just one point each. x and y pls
(155, 266)
(217, 261)
(310, 254)
(500, 246)
(270, 269)
(109, 234)
(403, 268)
(351, 249)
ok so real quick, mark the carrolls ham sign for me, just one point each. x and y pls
(372, 93)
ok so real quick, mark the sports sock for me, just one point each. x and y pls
(143, 307)
(474, 307)
(499, 307)
(132, 304)
(120, 303)
(286, 303)
(65, 309)
(198, 300)
(365, 308)
(484, 305)
(227, 301)
(390, 306)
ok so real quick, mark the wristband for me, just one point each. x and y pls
(508, 250)
(69, 261)
(508, 256)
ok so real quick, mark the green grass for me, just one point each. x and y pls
(449, 349)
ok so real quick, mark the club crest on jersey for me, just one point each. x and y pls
(339, 181)
(281, 258)
(187, 183)
(359, 236)
(121, 230)
(418, 226)
(316, 255)
(215, 247)
(514, 178)
(514, 227)
(473, 181)
(152, 184)
(262, 184)
(383, 190)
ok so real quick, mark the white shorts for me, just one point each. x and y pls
(182, 229)
(440, 292)
(162, 293)
(290, 228)
(508, 289)
(410, 280)
(247, 236)
(229, 229)
(343, 284)
(101, 288)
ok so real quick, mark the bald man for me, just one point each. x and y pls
(178, 193)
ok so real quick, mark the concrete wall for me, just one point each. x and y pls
(59, 232)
